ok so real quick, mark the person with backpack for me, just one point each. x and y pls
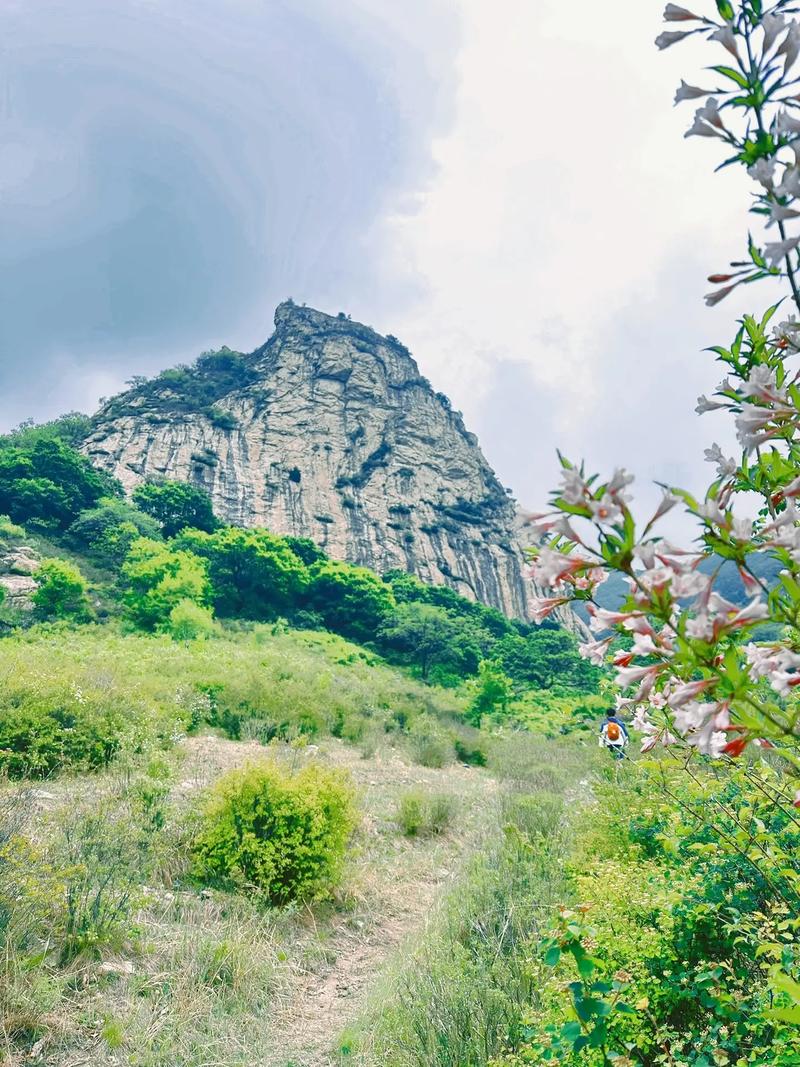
(613, 735)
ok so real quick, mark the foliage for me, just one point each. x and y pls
(282, 834)
(492, 693)
(543, 658)
(46, 480)
(106, 532)
(428, 742)
(61, 591)
(189, 621)
(681, 939)
(175, 506)
(156, 578)
(419, 813)
(254, 574)
(351, 600)
(429, 638)
(70, 429)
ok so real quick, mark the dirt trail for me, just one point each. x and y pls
(396, 883)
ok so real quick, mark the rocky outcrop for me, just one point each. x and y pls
(17, 566)
(328, 431)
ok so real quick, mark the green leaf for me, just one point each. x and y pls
(725, 8)
(552, 956)
(734, 75)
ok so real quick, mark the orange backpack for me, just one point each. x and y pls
(612, 731)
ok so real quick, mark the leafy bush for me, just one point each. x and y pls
(175, 506)
(60, 591)
(428, 637)
(429, 742)
(156, 578)
(189, 621)
(253, 573)
(352, 600)
(106, 532)
(280, 833)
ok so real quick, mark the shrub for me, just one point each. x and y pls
(351, 600)
(473, 755)
(189, 620)
(106, 532)
(156, 578)
(421, 813)
(61, 591)
(428, 742)
(280, 833)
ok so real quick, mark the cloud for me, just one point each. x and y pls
(171, 170)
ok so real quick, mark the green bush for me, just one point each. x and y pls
(175, 506)
(156, 578)
(60, 592)
(106, 532)
(429, 742)
(423, 813)
(282, 834)
(189, 621)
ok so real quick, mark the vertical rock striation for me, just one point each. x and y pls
(327, 431)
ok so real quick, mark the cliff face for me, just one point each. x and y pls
(328, 431)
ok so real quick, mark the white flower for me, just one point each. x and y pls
(751, 423)
(619, 480)
(725, 467)
(775, 251)
(762, 384)
(772, 25)
(595, 651)
(605, 510)
(780, 213)
(674, 13)
(763, 171)
(710, 511)
(787, 330)
(790, 185)
(671, 37)
(574, 488)
(707, 121)
(791, 45)
(701, 628)
(727, 38)
(786, 123)
(704, 405)
(690, 92)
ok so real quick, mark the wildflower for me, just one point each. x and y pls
(772, 25)
(775, 251)
(671, 37)
(690, 92)
(786, 123)
(712, 299)
(704, 405)
(780, 213)
(541, 607)
(790, 185)
(763, 171)
(725, 467)
(707, 121)
(791, 45)
(689, 690)
(629, 675)
(727, 38)
(605, 510)
(674, 13)
(762, 384)
(701, 627)
(574, 488)
(595, 651)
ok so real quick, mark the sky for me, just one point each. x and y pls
(504, 186)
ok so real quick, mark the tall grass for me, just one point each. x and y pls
(75, 698)
(466, 986)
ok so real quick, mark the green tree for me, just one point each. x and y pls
(156, 578)
(106, 532)
(254, 574)
(49, 481)
(545, 657)
(352, 601)
(176, 506)
(493, 692)
(428, 637)
(61, 591)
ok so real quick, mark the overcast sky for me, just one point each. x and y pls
(504, 186)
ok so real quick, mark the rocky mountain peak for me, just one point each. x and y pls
(327, 431)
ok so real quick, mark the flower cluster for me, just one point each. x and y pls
(691, 664)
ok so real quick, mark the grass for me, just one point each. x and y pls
(73, 698)
(466, 985)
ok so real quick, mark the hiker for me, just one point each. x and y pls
(613, 735)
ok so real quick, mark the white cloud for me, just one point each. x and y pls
(569, 228)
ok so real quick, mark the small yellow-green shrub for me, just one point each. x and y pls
(283, 834)
(421, 813)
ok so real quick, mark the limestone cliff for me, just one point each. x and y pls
(328, 431)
